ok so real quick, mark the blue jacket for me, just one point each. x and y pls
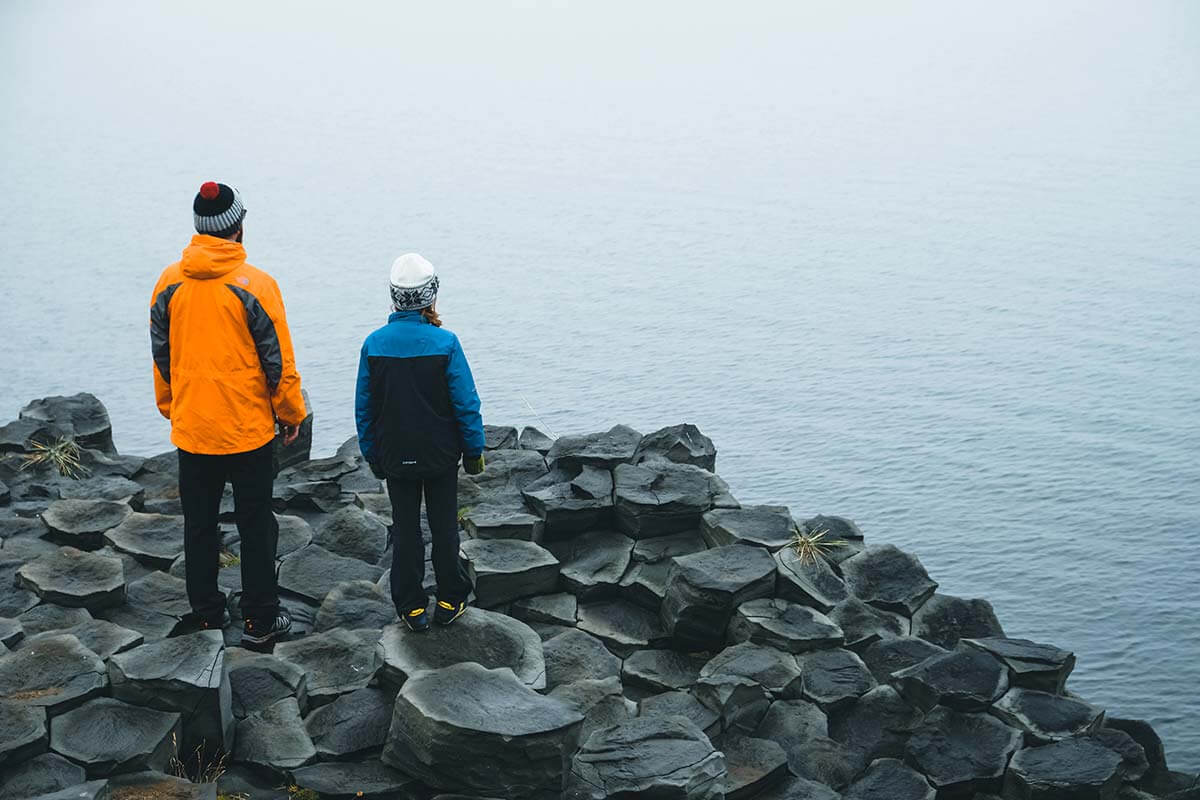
(416, 406)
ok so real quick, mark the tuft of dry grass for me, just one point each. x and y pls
(63, 454)
(201, 766)
(228, 559)
(813, 545)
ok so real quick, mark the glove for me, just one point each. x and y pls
(377, 472)
(473, 465)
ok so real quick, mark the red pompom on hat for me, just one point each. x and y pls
(210, 190)
(217, 209)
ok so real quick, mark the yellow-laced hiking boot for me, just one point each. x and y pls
(444, 613)
(417, 620)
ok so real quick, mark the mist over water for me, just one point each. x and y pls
(930, 266)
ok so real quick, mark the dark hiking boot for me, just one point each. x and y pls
(193, 622)
(445, 613)
(417, 620)
(258, 635)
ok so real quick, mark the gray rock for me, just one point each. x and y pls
(355, 604)
(107, 736)
(158, 786)
(58, 674)
(150, 624)
(503, 522)
(662, 670)
(740, 703)
(661, 497)
(1134, 764)
(22, 732)
(704, 588)
(153, 539)
(320, 496)
(762, 526)
(832, 763)
(1030, 665)
(681, 704)
(446, 733)
(159, 592)
(834, 527)
(834, 677)
(351, 781)
(484, 637)
(42, 774)
(1072, 769)
(100, 636)
(793, 723)
(354, 533)
(592, 564)
(506, 569)
(1152, 746)
(352, 724)
(499, 437)
(101, 487)
(752, 766)
(312, 572)
(808, 582)
(533, 439)
(336, 662)
(683, 444)
(661, 549)
(82, 523)
(549, 609)
(606, 450)
(892, 655)
(49, 618)
(944, 619)
(92, 790)
(964, 679)
(508, 473)
(783, 625)
(80, 417)
(572, 501)
(14, 601)
(864, 625)
(621, 625)
(793, 788)
(1047, 717)
(260, 680)
(648, 757)
(320, 469)
(889, 779)
(645, 584)
(878, 723)
(599, 700)
(888, 578)
(71, 577)
(5, 494)
(274, 738)
(575, 656)
(961, 753)
(776, 671)
(11, 632)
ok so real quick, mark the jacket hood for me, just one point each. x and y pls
(208, 257)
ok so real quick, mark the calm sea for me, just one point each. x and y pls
(932, 266)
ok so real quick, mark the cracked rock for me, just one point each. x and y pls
(681, 704)
(351, 724)
(864, 625)
(259, 680)
(22, 732)
(771, 527)
(662, 670)
(606, 450)
(661, 497)
(593, 563)
(963, 753)
(336, 662)
(1047, 717)
(784, 625)
(834, 677)
(752, 766)
(888, 578)
(621, 625)
(879, 723)
(548, 609)
(506, 569)
(503, 522)
(108, 736)
(57, 674)
(572, 501)
(703, 589)
(1043, 667)
(774, 670)
(964, 679)
(274, 738)
(683, 444)
(892, 655)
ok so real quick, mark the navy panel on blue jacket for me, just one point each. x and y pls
(416, 406)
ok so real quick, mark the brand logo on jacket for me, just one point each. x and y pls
(243, 280)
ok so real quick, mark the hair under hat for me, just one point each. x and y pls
(414, 283)
(217, 208)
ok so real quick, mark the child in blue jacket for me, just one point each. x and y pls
(418, 412)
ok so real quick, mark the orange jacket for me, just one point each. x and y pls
(223, 364)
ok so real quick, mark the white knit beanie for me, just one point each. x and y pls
(414, 283)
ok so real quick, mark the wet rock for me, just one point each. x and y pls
(575, 656)
(647, 757)
(964, 679)
(446, 733)
(605, 450)
(158, 786)
(1047, 717)
(71, 577)
(550, 609)
(484, 637)
(593, 563)
(621, 625)
(259, 680)
(274, 738)
(878, 723)
(739, 702)
(499, 437)
(762, 526)
(82, 523)
(533, 439)
(354, 533)
(58, 674)
(312, 572)
(503, 522)
(835, 528)
(107, 736)
(863, 625)
(100, 636)
(80, 417)
(336, 662)
(681, 704)
(774, 670)
(352, 724)
(888, 578)
(570, 502)
(1030, 665)
(508, 473)
(1072, 769)
(889, 779)
(1134, 764)
(961, 753)
(783, 625)
(1152, 746)
(832, 763)
(506, 569)
(22, 732)
(945, 619)
(49, 618)
(808, 582)
(355, 604)
(154, 539)
(661, 497)
(354, 780)
(704, 588)
(662, 670)
(683, 444)
(834, 677)
(892, 655)
(11, 632)
(42, 774)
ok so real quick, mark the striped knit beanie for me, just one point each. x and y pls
(217, 208)
(414, 283)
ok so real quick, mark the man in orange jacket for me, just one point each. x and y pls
(224, 375)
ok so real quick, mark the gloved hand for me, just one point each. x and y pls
(377, 472)
(473, 465)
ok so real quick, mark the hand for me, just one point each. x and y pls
(290, 434)
(378, 472)
(473, 464)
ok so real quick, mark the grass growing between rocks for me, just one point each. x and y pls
(200, 767)
(814, 545)
(228, 559)
(63, 455)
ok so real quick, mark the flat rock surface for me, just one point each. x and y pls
(274, 738)
(312, 572)
(1047, 717)
(621, 625)
(784, 625)
(892, 655)
(944, 619)
(22, 732)
(808, 582)
(354, 533)
(878, 723)
(863, 625)
(832, 677)
(1031, 665)
(964, 679)
(71, 577)
(575, 655)
(548, 609)
(681, 704)
(77, 522)
(43, 774)
(58, 674)
(351, 724)
(259, 680)
(963, 752)
(593, 563)
(776, 671)
(660, 497)
(704, 589)
(889, 779)
(662, 670)
(1071, 769)
(763, 526)
(887, 577)
(752, 765)
(506, 569)
(353, 780)
(335, 662)
(108, 736)
(155, 539)
(355, 604)
(605, 450)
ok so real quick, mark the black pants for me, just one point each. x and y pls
(201, 483)
(408, 549)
